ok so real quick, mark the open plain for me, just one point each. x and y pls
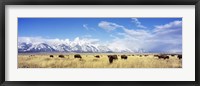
(90, 60)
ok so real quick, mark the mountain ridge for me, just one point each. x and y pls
(24, 47)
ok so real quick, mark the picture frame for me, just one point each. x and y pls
(98, 2)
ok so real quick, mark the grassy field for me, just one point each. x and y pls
(89, 61)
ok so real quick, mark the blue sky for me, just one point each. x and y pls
(164, 31)
(72, 27)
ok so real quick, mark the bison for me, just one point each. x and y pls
(145, 55)
(61, 56)
(51, 56)
(112, 57)
(179, 56)
(77, 56)
(156, 55)
(124, 57)
(163, 57)
(173, 55)
(97, 56)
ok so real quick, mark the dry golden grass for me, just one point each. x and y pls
(89, 61)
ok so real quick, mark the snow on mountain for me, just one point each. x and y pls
(43, 47)
(78, 45)
(56, 45)
(34, 47)
(23, 47)
(40, 47)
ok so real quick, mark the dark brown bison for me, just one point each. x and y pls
(97, 56)
(172, 54)
(145, 55)
(61, 56)
(163, 57)
(156, 55)
(51, 56)
(77, 56)
(124, 57)
(132, 55)
(179, 56)
(112, 57)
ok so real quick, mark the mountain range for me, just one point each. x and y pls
(78, 47)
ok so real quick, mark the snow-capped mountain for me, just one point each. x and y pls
(44, 47)
(37, 47)
(27, 45)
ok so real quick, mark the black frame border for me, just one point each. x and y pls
(98, 2)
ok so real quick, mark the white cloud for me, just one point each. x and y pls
(30, 39)
(167, 39)
(76, 40)
(109, 26)
(85, 26)
(83, 41)
(42, 40)
(166, 27)
(137, 33)
(138, 23)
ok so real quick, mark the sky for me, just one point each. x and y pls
(150, 34)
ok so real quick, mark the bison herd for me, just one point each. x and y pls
(111, 58)
(163, 57)
(167, 56)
